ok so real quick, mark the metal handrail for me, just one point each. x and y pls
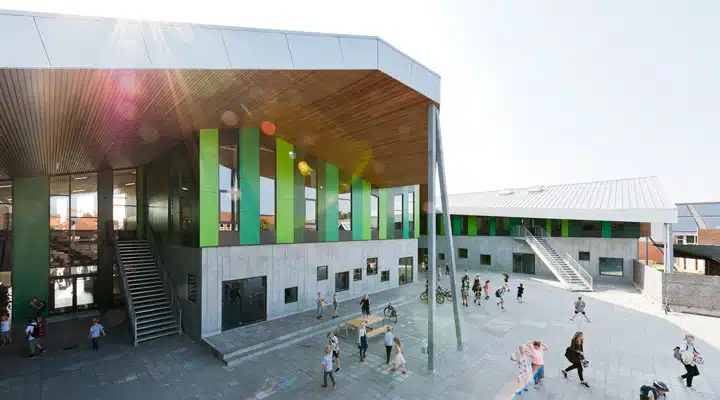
(167, 283)
(533, 242)
(123, 279)
(569, 260)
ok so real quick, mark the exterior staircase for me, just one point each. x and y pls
(571, 274)
(149, 297)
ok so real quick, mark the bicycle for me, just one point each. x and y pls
(446, 293)
(439, 297)
(667, 306)
(390, 311)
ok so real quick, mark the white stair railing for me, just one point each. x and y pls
(539, 249)
(569, 260)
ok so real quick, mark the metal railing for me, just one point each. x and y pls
(561, 274)
(569, 260)
(123, 279)
(167, 283)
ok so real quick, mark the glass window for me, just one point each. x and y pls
(611, 266)
(83, 202)
(462, 253)
(441, 256)
(228, 180)
(374, 206)
(485, 259)
(690, 239)
(372, 266)
(267, 189)
(357, 274)
(398, 215)
(322, 273)
(5, 206)
(124, 200)
(310, 193)
(584, 256)
(342, 281)
(483, 226)
(60, 202)
(384, 276)
(591, 229)
(502, 226)
(291, 295)
(345, 207)
(405, 270)
(411, 213)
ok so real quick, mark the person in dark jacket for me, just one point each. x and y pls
(575, 354)
(365, 307)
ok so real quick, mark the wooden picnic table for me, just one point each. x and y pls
(372, 320)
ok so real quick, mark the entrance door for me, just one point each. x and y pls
(244, 302)
(524, 263)
(72, 293)
(405, 270)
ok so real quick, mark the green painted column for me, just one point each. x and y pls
(249, 173)
(31, 243)
(382, 214)
(358, 213)
(298, 199)
(405, 214)
(416, 211)
(141, 201)
(512, 227)
(328, 185)
(565, 228)
(606, 229)
(548, 226)
(440, 224)
(472, 225)
(390, 213)
(456, 221)
(367, 228)
(284, 180)
(209, 192)
(493, 226)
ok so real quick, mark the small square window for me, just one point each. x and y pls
(611, 266)
(322, 273)
(462, 253)
(372, 266)
(485, 259)
(584, 256)
(291, 295)
(442, 256)
(384, 276)
(357, 274)
(342, 281)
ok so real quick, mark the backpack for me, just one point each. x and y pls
(676, 354)
(645, 392)
(498, 293)
(40, 330)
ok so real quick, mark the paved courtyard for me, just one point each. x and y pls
(629, 342)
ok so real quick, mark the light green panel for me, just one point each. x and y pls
(440, 224)
(472, 225)
(405, 214)
(565, 228)
(382, 214)
(606, 229)
(299, 199)
(548, 226)
(367, 225)
(357, 208)
(209, 200)
(493, 226)
(416, 211)
(249, 162)
(284, 219)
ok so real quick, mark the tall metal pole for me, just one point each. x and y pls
(448, 232)
(669, 256)
(431, 232)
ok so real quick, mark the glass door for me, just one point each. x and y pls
(528, 264)
(517, 263)
(254, 305)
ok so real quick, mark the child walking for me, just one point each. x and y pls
(320, 304)
(96, 330)
(520, 291)
(523, 369)
(335, 345)
(537, 351)
(336, 313)
(388, 344)
(477, 289)
(399, 358)
(327, 367)
(5, 330)
(487, 290)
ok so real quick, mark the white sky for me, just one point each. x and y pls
(564, 92)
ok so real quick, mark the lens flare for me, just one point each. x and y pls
(267, 128)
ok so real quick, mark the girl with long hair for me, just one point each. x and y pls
(575, 354)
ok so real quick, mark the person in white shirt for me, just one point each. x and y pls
(33, 343)
(399, 357)
(388, 343)
(327, 367)
(689, 358)
(5, 330)
(335, 345)
(96, 330)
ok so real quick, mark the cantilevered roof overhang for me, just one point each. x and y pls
(81, 93)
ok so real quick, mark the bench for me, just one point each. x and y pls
(377, 331)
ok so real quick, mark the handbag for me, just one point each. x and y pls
(697, 358)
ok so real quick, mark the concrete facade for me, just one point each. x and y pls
(181, 262)
(501, 249)
(648, 280)
(692, 293)
(291, 265)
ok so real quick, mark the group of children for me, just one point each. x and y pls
(530, 363)
(35, 331)
(477, 289)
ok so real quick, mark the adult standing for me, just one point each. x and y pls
(365, 307)
(689, 357)
(576, 355)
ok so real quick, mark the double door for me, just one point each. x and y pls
(244, 302)
(72, 293)
(523, 263)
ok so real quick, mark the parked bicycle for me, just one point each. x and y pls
(667, 306)
(446, 293)
(390, 311)
(439, 297)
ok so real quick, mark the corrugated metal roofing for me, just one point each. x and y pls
(631, 200)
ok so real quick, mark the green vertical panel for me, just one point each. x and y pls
(284, 178)
(357, 208)
(493, 226)
(332, 185)
(390, 213)
(548, 226)
(249, 171)
(141, 199)
(31, 243)
(382, 214)
(416, 211)
(472, 225)
(321, 201)
(606, 229)
(405, 214)
(209, 194)
(512, 227)
(440, 224)
(367, 193)
(456, 222)
(298, 199)
(565, 228)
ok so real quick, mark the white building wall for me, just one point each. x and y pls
(290, 265)
(501, 250)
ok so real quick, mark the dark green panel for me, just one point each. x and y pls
(357, 209)
(456, 221)
(249, 172)
(575, 228)
(31, 243)
(493, 226)
(284, 189)
(606, 229)
(416, 211)
(209, 192)
(513, 226)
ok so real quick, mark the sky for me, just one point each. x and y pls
(533, 93)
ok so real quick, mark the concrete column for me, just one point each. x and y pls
(669, 256)
(104, 290)
(431, 232)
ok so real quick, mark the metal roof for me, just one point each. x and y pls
(628, 200)
(39, 40)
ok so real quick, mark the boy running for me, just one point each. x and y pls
(520, 291)
(499, 294)
(506, 285)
